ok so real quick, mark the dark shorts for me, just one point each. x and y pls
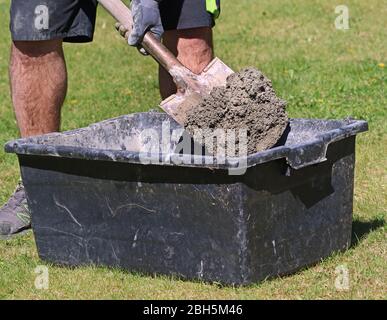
(74, 20)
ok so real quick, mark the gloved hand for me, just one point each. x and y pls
(146, 17)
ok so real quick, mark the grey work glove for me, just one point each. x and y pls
(146, 17)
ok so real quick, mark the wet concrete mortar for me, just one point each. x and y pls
(247, 102)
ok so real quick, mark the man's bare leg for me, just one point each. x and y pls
(193, 48)
(38, 85)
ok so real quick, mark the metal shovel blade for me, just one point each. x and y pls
(191, 86)
(214, 75)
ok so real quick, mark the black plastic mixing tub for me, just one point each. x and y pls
(93, 201)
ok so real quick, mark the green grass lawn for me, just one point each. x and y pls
(322, 73)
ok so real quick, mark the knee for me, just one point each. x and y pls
(193, 47)
(26, 50)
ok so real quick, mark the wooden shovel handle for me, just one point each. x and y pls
(150, 43)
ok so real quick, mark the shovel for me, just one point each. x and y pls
(190, 87)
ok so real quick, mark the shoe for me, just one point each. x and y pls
(15, 216)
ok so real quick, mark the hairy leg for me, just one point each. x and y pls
(193, 48)
(38, 85)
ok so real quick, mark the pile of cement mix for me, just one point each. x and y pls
(248, 101)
